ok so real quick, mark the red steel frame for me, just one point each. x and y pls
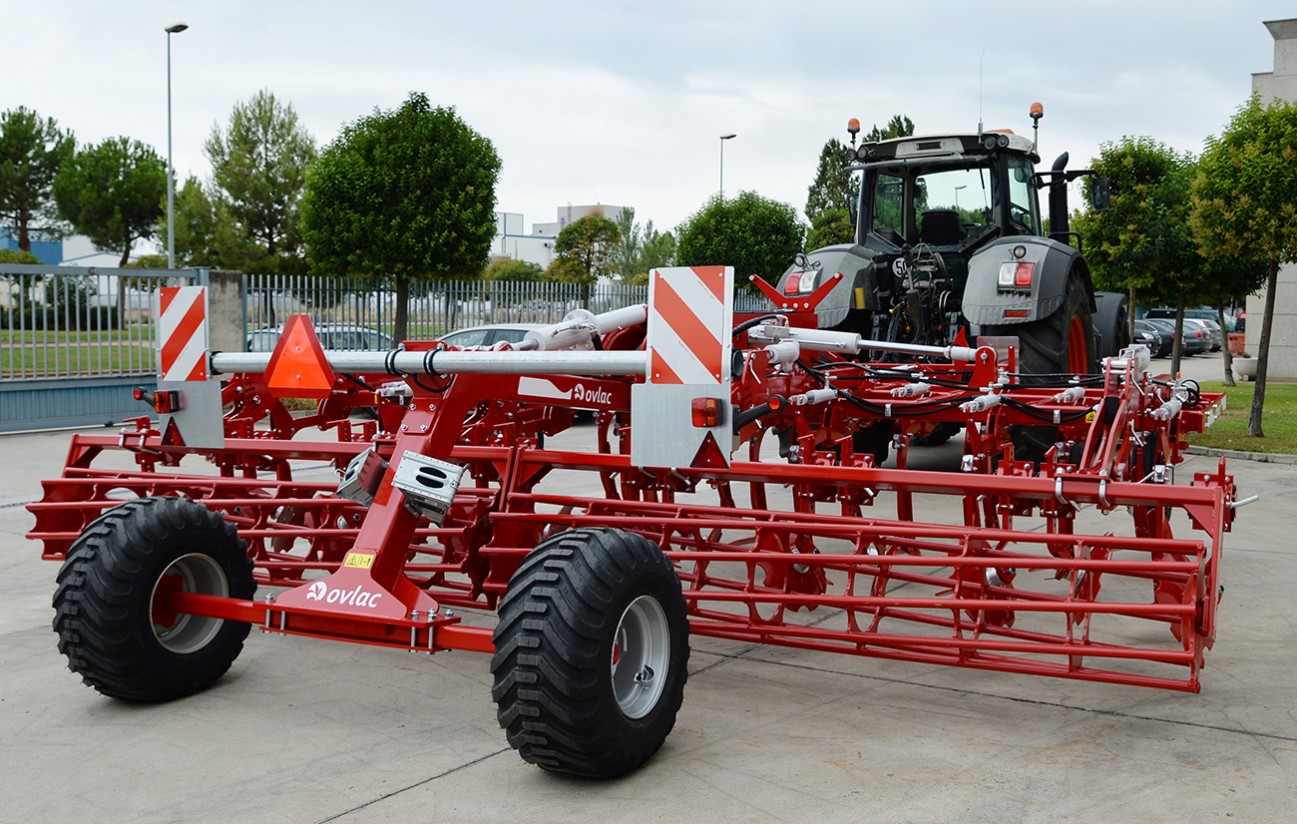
(1027, 581)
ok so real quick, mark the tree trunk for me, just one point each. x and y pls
(1131, 317)
(1263, 356)
(1227, 358)
(1178, 348)
(121, 288)
(402, 308)
(24, 237)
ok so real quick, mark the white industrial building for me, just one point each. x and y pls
(538, 247)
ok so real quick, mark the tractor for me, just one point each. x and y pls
(949, 238)
(950, 246)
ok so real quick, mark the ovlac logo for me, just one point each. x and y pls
(595, 395)
(357, 597)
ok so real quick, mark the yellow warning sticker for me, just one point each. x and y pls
(359, 560)
(1089, 418)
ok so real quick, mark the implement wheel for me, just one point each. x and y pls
(591, 653)
(110, 607)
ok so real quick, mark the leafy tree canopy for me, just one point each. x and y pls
(642, 248)
(898, 126)
(408, 193)
(18, 256)
(32, 149)
(258, 171)
(113, 193)
(513, 270)
(1245, 206)
(830, 227)
(753, 234)
(834, 186)
(1142, 239)
(586, 250)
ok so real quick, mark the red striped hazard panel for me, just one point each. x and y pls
(182, 329)
(689, 323)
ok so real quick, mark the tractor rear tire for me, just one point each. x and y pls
(1049, 350)
(591, 653)
(109, 627)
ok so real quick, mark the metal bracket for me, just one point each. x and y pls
(429, 485)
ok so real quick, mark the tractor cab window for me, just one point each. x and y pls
(951, 205)
(1024, 215)
(889, 208)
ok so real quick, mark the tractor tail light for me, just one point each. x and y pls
(1017, 274)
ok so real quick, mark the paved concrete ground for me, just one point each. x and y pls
(313, 731)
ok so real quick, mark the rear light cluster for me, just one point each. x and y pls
(163, 401)
(1017, 275)
(801, 283)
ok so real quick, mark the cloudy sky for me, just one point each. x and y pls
(624, 102)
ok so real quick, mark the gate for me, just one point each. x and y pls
(74, 341)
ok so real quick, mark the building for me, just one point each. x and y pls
(538, 247)
(1280, 84)
(49, 251)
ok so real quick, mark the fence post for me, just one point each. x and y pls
(227, 308)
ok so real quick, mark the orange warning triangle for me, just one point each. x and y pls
(297, 367)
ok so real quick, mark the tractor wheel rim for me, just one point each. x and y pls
(1077, 350)
(184, 633)
(640, 657)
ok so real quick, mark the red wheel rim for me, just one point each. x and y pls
(1077, 350)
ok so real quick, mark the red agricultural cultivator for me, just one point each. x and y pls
(731, 486)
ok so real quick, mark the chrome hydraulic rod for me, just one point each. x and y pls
(441, 361)
(851, 343)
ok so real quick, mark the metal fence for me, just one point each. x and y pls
(434, 308)
(62, 321)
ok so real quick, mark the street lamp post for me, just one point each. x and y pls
(175, 28)
(957, 188)
(724, 138)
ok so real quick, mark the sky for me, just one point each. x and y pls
(623, 103)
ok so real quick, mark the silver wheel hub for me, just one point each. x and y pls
(196, 573)
(641, 655)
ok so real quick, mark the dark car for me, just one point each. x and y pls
(1158, 339)
(1195, 339)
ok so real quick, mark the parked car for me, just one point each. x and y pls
(489, 334)
(1194, 338)
(1206, 316)
(332, 336)
(1159, 340)
(1211, 330)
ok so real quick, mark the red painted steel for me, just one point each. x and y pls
(1029, 577)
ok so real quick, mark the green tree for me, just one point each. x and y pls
(642, 248)
(408, 193)
(829, 227)
(1245, 206)
(514, 270)
(898, 126)
(755, 235)
(113, 193)
(1141, 242)
(259, 170)
(32, 149)
(657, 249)
(586, 250)
(834, 186)
(197, 226)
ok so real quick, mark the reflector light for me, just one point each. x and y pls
(141, 394)
(791, 286)
(1016, 313)
(706, 412)
(1022, 276)
(775, 403)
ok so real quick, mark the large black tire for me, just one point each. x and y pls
(1111, 323)
(104, 610)
(591, 653)
(1044, 346)
(1046, 356)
